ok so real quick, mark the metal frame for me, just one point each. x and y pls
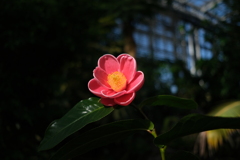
(186, 12)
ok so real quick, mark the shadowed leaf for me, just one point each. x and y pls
(170, 101)
(183, 155)
(101, 136)
(195, 123)
(215, 138)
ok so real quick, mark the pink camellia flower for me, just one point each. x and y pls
(116, 80)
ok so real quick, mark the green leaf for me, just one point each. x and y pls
(195, 123)
(214, 138)
(183, 155)
(83, 113)
(101, 136)
(170, 101)
(229, 109)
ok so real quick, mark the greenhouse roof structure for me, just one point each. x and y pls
(195, 11)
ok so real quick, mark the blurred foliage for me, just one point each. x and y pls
(49, 49)
(213, 139)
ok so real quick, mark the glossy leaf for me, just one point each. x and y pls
(101, 136)
(170, 101)
(83, 113)
(195, 123)
(183, 155)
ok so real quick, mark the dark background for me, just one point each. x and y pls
(48, 50)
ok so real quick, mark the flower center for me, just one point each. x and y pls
(117, 81)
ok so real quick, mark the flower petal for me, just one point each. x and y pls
(108, 63)
(107, 101)
(126, 99)
(95, 87)
(101, 76)
(136, 83)
(112, 94)
(127, 66)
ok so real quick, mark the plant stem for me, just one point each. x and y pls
(163, 148)
(152, 132)
(162, 151)
(143, 114)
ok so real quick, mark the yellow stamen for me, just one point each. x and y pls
(117, 81)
